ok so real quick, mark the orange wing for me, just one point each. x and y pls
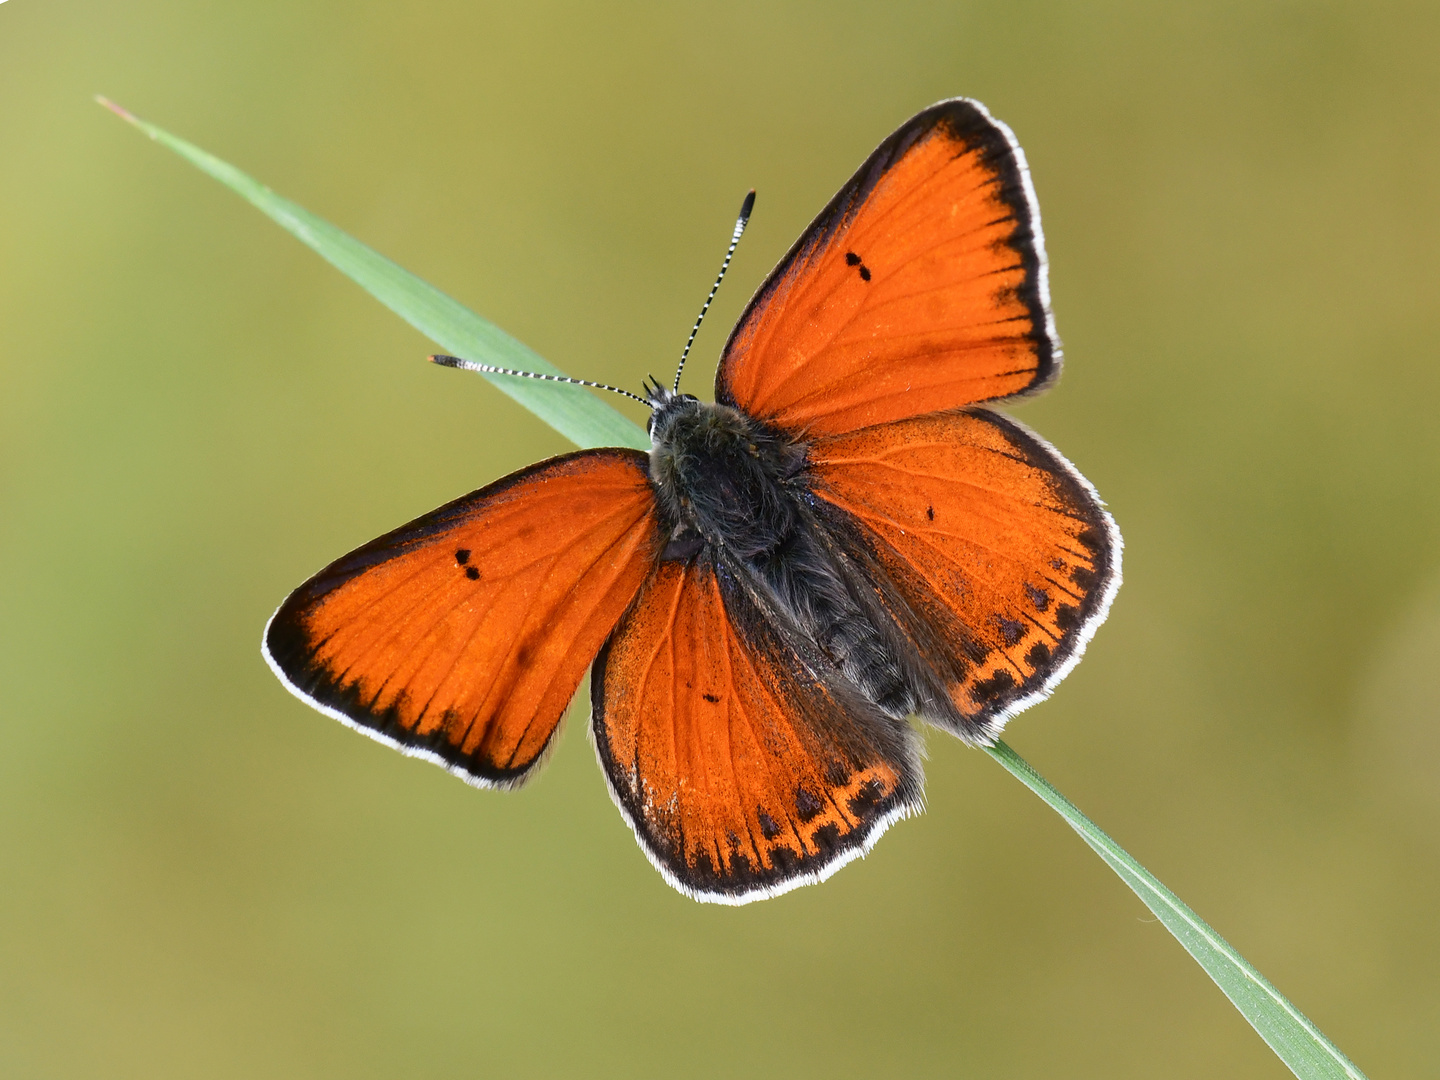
(462, 636)
(922, 286)
(1002, 556)
(742, 773)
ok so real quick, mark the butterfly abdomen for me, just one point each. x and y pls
(740, 488)
(803, 578)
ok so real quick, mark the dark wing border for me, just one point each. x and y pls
(1096, 610)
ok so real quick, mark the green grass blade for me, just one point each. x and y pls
(1297, 1041)
(571, 410)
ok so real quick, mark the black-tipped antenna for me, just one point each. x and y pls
(740, 223)
(471, 365)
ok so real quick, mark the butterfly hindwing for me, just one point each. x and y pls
(921, 286)
(742, 771)
(463, 635)
(1001, 556)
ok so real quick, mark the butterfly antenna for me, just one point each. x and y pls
(740, 223)
(491, 369)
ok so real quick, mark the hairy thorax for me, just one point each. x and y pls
(724, 478)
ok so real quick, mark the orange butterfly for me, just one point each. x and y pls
(845, 539)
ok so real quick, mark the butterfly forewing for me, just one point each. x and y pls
(990, 537)
(463, 635)
(742, 770)
(922, 286)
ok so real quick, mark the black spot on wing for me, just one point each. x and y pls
(851, 259)
(462, 556)
(1038, 656)
(806, 805)
(1039, 597)
(993, 687)
(1010, 629)
(864, 801)
(473, 573)
(768, 827)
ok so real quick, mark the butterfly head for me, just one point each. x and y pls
(666, 406)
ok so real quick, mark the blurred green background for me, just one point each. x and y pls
(199, 876)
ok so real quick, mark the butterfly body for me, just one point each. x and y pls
(848, 537)
(740, 489)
